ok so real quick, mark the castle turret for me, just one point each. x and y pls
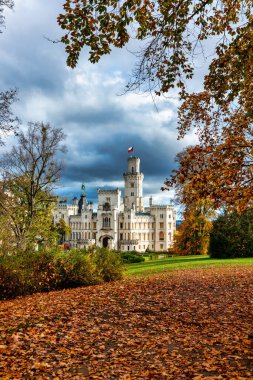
(82, 204)
(75, 201)
(133, 198)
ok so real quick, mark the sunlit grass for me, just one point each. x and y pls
(181, 262)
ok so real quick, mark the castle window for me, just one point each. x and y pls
(132, 184)
(106, 222)
(132, 170)
(161, 225)
(161, 216)
(106, 207)
(120, 236)
(132, 193)
(161, 246)
(121, 225)
(108, 199)
(128, 216)
(161, 235)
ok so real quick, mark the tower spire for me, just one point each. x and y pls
(83, 189)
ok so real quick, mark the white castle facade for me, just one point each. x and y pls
(124, 226)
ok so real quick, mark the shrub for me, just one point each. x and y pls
(109, 264)
(76, 268)
(43, 271)
(46, 270)
(10, 284)
(132, 257)
(232, 235)
(25, 274)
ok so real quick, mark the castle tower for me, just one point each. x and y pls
(82, 204)
(133, 197)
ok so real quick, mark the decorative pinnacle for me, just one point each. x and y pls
(83, 188)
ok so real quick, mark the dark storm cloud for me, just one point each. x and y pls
(92, 117)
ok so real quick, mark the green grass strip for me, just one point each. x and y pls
(181, 262)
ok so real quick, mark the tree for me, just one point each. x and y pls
(173, 35)
(30, 171)
(193, 235)
(8, 122)
(63, 230)
(219, 172)
(4, 3)
(194, 231)
(232, 235)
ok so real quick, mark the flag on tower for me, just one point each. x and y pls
(131, 149)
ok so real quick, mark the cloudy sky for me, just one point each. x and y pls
(99, 123)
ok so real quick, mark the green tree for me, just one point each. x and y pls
(30, 172)
(232, 235)
(63, 230)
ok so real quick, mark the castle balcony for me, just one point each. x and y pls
(86, 241)
(106, 228)
(129, 242)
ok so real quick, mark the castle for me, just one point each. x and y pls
(123, 226)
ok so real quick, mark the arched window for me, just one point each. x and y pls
(106, 222)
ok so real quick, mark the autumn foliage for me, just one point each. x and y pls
(191, 324)
(194, 232)
(52, 269)
(174, 35)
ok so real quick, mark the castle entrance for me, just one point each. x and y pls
(105, 241)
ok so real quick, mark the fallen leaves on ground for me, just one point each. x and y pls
(190, 324)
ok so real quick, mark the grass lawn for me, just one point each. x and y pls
(181, 262)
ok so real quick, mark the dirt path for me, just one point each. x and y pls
(191, 324)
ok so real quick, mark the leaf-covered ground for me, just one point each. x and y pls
(190, 324)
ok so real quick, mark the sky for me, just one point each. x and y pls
(87, 103)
